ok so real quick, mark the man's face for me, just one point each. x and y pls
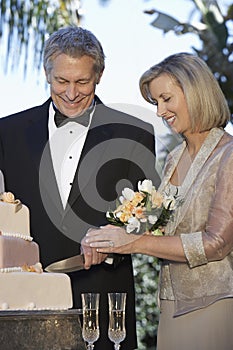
(72, 83)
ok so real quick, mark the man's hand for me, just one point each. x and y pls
(91, 256)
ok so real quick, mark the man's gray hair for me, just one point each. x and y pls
(74, 42)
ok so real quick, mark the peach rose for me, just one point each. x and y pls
(7, 197)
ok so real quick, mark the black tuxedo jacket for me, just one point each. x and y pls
(118, 151)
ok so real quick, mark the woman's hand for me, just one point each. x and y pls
(111, 239)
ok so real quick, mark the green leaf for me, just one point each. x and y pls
(165, 22)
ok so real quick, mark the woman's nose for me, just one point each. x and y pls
(161, 110)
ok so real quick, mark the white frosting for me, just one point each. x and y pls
(16, 252)
(4, 306)
(14, 218)
(21, 289)
(17, 235)
(34, 291)
(11, 269)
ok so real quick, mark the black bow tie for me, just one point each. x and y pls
(83, 119)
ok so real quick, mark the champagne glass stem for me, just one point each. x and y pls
(90, 346)
(117, 346)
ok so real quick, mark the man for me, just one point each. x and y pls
(70, 174)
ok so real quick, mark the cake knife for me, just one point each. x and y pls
(75, 263)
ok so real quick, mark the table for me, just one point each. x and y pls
(41, 330)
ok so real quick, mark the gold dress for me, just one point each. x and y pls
(196, 297)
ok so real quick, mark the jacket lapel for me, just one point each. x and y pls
(93, 150)
(37, 134)
(38, 146)
(207, 148)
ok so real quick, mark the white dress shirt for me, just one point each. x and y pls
(66, 144)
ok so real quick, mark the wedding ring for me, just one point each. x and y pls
(111, 244)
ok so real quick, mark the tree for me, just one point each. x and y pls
(27, 23)
(214, 33)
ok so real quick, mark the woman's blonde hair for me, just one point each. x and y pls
(205, 100)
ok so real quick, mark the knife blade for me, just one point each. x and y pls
(75, 263)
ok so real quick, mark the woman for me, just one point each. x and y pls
(196, 282)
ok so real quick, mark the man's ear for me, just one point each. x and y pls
(47, 75)
(99, 77)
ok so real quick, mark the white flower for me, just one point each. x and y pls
(143, 220)
(152, 219)
(169, 201)
(127, 194)
(133, 224)
(145, 209)
(121, 199)
(145, 186)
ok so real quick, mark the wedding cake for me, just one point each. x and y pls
(24, 285)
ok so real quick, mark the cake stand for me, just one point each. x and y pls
(41, 330)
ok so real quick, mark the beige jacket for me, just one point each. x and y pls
(204, 222)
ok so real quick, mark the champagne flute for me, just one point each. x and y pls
(116, 329)
(90, 329)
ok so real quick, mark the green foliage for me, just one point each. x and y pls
(213, 31)
(146, 271)
(29, 22)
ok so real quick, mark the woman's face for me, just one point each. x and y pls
(171, 103)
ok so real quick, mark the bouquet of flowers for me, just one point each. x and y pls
(146, 210)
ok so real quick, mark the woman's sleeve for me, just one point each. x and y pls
(217, 240)
(194, 248)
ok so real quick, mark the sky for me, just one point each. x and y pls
(131, 45)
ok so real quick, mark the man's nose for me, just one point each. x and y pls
(72, 91)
